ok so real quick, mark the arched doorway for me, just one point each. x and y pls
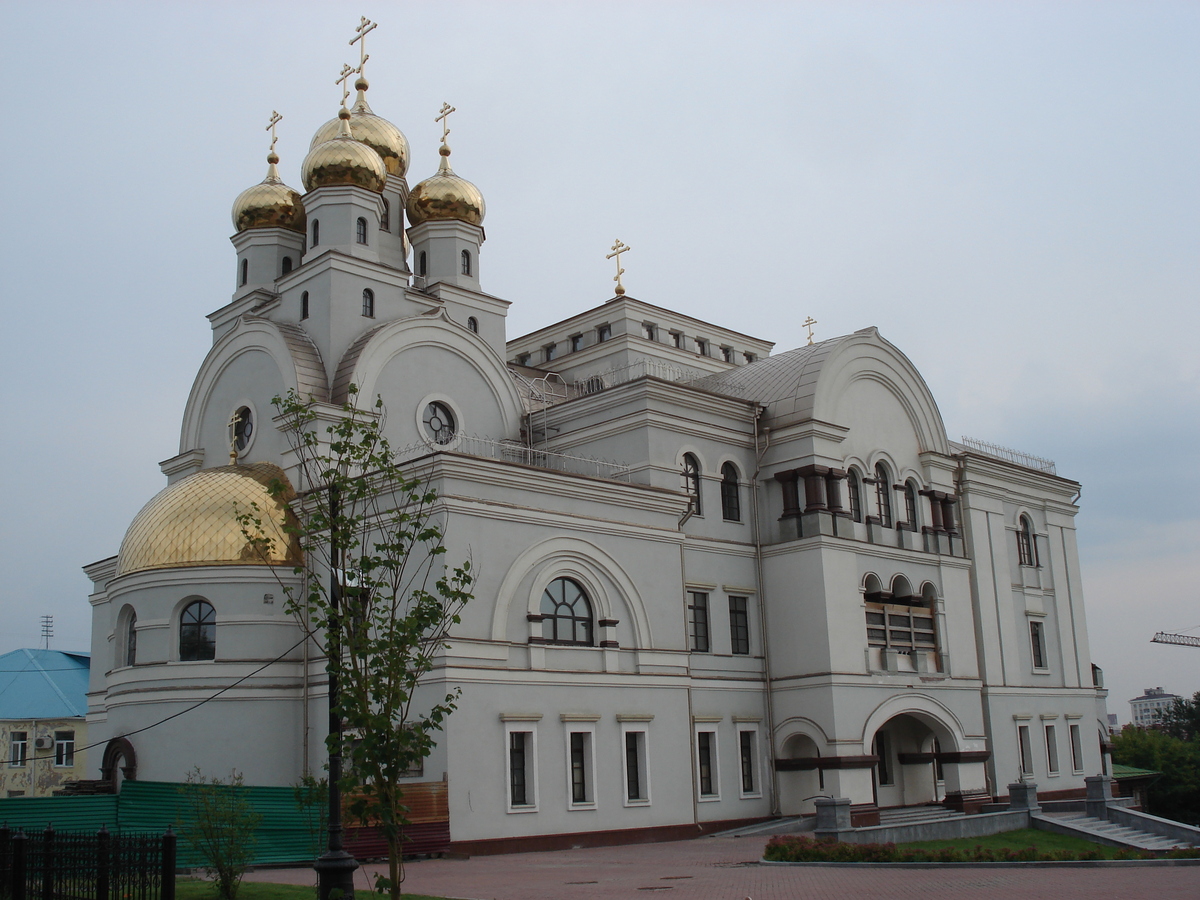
(910, 770)
(801, 779)
(119, 763)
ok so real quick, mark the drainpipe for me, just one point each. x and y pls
(762, 603)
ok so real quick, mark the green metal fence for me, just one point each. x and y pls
(150, 806)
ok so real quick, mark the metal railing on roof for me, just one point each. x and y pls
(514, 452)
(1027, 460)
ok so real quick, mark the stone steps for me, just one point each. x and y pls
(1128, 837)
(915, 815)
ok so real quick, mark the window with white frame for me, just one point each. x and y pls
(521, 747)
(1076, 749)
(739, 625)
(708, 782)
(748, 761)
(1051, 750)
(1026, 749)
(18, 748)
(64, 749)
(581, 771)
(635, 765)
(1037, 644)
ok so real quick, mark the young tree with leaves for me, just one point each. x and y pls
(220, 824)
(377, 595)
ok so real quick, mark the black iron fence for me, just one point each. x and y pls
(50, 865)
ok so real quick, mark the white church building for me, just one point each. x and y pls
(716, 582)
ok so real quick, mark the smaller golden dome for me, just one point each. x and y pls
(270, 204)
(194, 522)
(446, 196)
(343, 160)
(375, 131)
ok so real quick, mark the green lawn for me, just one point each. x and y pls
(193, 889)
(1045, 841)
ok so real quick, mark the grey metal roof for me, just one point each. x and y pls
(786, 381)
(43, 684)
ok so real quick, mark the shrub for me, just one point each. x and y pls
(221, 826)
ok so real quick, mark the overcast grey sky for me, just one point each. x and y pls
(1009, 191)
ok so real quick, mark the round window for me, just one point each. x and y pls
(243, 428)
(439, 423)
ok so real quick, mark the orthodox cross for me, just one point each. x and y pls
(347, 71)
(276, 118)
(444, 118)
(360, 38)
(809, 323)
(233, 437)
(617, 249)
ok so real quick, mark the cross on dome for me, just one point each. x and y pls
(342, 79)
(617, 249)
(276, 118)
(364, 28)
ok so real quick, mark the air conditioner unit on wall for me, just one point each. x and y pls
(43, 743)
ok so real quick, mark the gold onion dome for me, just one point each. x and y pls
(343, 160)
(375, 131)
(446, 196)
(194, 522)
(269, 204)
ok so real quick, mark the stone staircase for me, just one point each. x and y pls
(1109, 833)
(917, 815)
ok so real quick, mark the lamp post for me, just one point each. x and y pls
(335, 867)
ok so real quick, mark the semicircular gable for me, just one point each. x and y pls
(297, 357)
(365, 360)
(865, 357)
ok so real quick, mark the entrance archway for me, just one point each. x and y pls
(801, 779)
(910, 771)
(119, 763)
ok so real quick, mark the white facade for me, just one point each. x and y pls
(766, 621)
(1149, 709)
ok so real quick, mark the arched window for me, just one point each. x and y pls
(127, 638)
(691, 480)
(854, 492)
(385, 220)
(287, 264)
(368, 303)
(198, 632)
(439, 423)
(928, 595)
(245, 271)
(423, 264)
(466, 262)
(360, 230)
(873, 589)
(902, 591)
(473, 324)
(304, 305)
(1026, 543)
(316, 233)
(731, 501)
(243, 428)
(566, 613)
(910, 504)
(883, 494)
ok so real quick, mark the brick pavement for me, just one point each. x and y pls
(727, 869)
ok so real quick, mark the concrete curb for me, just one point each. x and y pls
(1021, 864)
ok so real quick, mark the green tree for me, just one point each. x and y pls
(377, 594)
(220, 824)
(1176, 794)
(1182, 720)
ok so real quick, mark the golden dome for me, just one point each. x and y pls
(193, 522)
(270, 204)
(446, 196)
(343, 160)
(376, 132)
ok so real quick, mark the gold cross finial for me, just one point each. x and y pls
(343, 79)
(364, 27)
(444, 118)
(809, 323)
(233, 437)
(617, 249)
(276, 118)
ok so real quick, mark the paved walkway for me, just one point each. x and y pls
(728, 869)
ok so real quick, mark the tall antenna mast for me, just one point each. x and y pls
(47, 629)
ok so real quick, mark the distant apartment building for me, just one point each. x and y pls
(1149, 708)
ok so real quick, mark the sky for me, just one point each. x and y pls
(1008, 190)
